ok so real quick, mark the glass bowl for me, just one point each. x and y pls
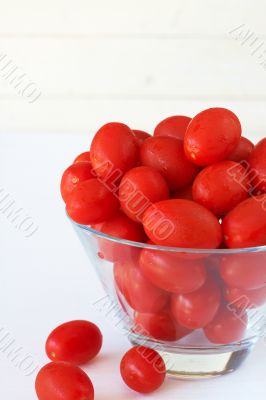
(202, 310)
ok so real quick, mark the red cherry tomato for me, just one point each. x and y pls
(160, 326)
(221, 186)
(242, 150)
(113, 148)
(61, 380)
(139, 188)
(226, 327)
(75, 341)
(245, 225)
(172, 273)
(197, 309)
(211, 136)
(245, 299)
(174, 126)
(140, 136)
(166, 154)
(121, 227)
(72, 176)
(244, 270)
(184, 193)
(83, 157)
(91, 202)
(138, 291)
(143, 369)
(257, 165)
(182, 223)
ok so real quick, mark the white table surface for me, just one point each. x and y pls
(47, 279)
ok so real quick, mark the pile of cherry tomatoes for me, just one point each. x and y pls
(195, 184)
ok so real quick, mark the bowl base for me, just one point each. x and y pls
(182, 363)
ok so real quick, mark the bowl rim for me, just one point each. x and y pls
(188, 250)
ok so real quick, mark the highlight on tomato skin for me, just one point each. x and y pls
(143, 369)
(61, 380)
(75, 341)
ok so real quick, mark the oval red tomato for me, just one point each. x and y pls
(61, 380)
(138, 291)
(242, 150)
(245, 299)
(72, 176)
(139, 188)
(166, 154)
(221, 186)
(122, 227)
(160, 326)
(197, 309)
(140, 136)
(244, 270)
(245, 225)
(91, 202)
(257, 165)
(83, 157)
(211, 136)
(174, 126)
(143, 369)
(182, 223)
(172, 273)
(74, 341)
(226, 327)
(113, 148)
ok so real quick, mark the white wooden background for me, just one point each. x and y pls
(134, 61)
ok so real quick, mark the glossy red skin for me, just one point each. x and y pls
(221, 186)
(143, 369)
(75, 341)
(187, 224)
(245, 299)
(242, 150)
(245, 225)
(174, 126)
(140, 136)
(83, 157)
(120, 226)
(138, 291)
(91, 202)
(172, 273)
(197, 309)
(257, 164)
(160, 326)
(139, 188)
(72, 176)
(226, 327)
(113, 147)
(166, 154)
(184, 193)
(60, 380)
(211, 136)
(244, 270)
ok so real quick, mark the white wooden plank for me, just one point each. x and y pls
(137, 68)
(86, 116)
(138, 17)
